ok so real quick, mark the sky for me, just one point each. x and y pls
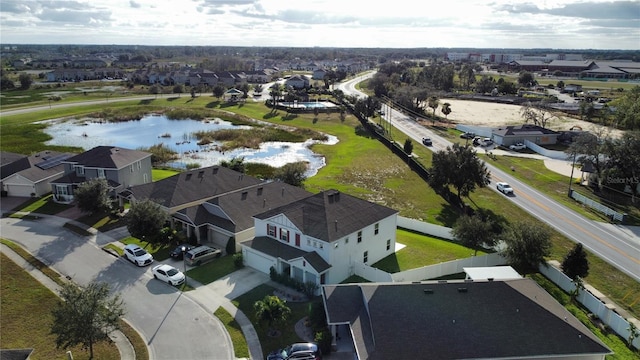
(559, 24)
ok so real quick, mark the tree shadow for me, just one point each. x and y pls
(174, 98)
(120, 274)
(146, 101)
(448, 215)
(213, 104)
(57, 249)
(270, 115)
(289, 116)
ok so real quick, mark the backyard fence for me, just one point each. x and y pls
(442, 232)
(553, 154)
(593, 301)
(614, 215)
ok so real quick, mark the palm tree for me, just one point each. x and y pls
(273, 310)
(446, 109)
(276, 93)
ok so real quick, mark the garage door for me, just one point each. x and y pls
(19, 190)
(258, 261)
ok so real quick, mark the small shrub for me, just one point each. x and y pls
(238, 260)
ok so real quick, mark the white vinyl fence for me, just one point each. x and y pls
(589, 300)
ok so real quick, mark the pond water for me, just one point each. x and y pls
(178, 136)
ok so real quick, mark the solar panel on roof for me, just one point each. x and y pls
(52, 161)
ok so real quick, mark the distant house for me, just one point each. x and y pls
(318, 238)
(511, 319)
(510, 135)
(297, 82)
(120, 167)
(318, 74)
(32, 175)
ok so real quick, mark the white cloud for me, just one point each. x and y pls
(329, 23)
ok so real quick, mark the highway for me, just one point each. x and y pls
(618, 245)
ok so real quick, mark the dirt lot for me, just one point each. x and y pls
(491, 114)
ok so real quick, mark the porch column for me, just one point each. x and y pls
(334, 337)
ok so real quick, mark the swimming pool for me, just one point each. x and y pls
(307, 104)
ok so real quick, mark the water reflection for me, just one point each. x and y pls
(178, 136)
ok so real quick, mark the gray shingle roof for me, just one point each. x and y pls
(12, 163)
(524, 130)
(460, 320)
(278, 249)
(331, 215)
(108, 157)
(194, 186)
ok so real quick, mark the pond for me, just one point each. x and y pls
(178, 135)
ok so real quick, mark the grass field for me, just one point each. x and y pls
(26, 317)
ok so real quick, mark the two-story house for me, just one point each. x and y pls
(120, 167)
(26, 176)
(317, 239)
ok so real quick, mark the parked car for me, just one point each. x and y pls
(177, 253)
(201, 254)
(168, 274)
(517, 146)
(297, 351)
(504, 188)
(137, 255)
(467, 135)
(427, 141)
(487, 142)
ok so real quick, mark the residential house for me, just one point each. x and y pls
(258, 76)
(510, 319)
(510, 135)
(318, 74)
(31, 175)
(230, 214)
(319, 238)
(297, 82)
(121, 168)
(227, 79)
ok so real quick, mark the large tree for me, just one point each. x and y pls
(538, 112)
(272, 310)
(86, 315)
(627, 114)
(527, 245)
(460, 167)
(623, 161)
(575, 263)
(588, 149)
(145, 220)
(474, 232)
(25, 81)
(292, 173)
(92, 196)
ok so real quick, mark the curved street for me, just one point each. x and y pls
(617, 244)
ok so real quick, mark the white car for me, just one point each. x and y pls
(137, 255)
(504, 188)
(517, 146)
(168, 274)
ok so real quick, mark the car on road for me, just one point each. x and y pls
(178, 252)
(169, 274)
(467, 135)
(304, 351)
(427, 141)
(504, 188)
(517, 146)
(137, 255)
(201, 254)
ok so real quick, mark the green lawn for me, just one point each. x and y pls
(159, 251)
(240, 347)
(159, 174)
(213, 270)
(26, 317)
(421, 250)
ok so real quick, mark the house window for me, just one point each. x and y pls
(271, 230)
(365, 258)
(346, 240)
(79, 170)
(131, 167)
(101, 173)
(359, 236)
(62, 190)
(139, 165)
(388, 244)
(284, 235)
(377, 229)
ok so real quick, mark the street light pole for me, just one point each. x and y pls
(573, 165)
(184, 262)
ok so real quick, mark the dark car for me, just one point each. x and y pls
(468, 135)
(178, 253)
(297, 351)
(427, 141)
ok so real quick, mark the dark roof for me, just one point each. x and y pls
(12, 163)
(15, 354)
(278, 249)
(193, 187)
(331, 215)
(108, 157)
(36, 172)
(459, 320)
(525, 129)
(233, 211)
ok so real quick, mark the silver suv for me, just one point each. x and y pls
(201, 254)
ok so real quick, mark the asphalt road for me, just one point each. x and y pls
(616, 244)
(174, 326)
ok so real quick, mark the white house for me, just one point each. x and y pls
(319, 238)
